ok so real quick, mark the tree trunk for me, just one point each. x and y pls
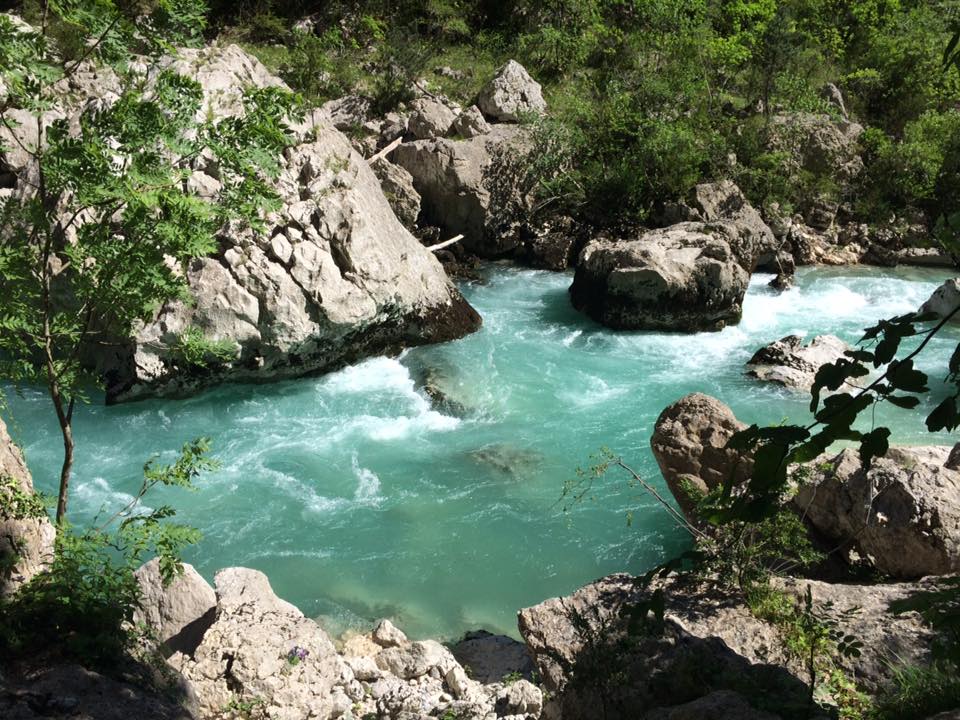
(66, 428)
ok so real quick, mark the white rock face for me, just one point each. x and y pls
(945, 300)
(512, 94)
(388, 635)
(335, 277)
(178, 613)
(26, 544)
(470, 123)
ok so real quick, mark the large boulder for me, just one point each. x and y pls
(945, 300)
(334, 278)
(689, 442)
(902, 514)
(891, 640)
(430, 118)
(512, 94)
(179, 612)
(468, 186)
(253, 650)
(790, 363)
(709, 642)
(26, 534)
(690, 276)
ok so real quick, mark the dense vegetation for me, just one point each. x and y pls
(651, 96)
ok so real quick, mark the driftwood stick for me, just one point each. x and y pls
(386, 151)
(445, 243)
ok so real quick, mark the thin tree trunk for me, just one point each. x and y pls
(65, 418)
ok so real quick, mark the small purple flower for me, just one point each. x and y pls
(297, 655)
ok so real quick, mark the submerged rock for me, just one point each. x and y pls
(508, 459)
(336, 278)
(790, 363)
(512, 94)
(903, 514)
(689, 442)
(26, 541)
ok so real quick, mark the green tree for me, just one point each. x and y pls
(100, 224)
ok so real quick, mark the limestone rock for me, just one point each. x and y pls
(831, 93)
(467, 187)
(387, 635)
(710, 642)
(178, 614)
(790, 363)
(511, 94)
(347, 113)
(336, 277)
(26, 543)
(689, 442)
(690, 276)
(890, 640)
(470, 123)
(945, 300)
(430, 118)
(903, 513)
(244, 654)
(415, 659)
(493, 657)
(519, 698)
(71, 691)
(397, 186)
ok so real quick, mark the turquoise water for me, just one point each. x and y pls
(361, 499)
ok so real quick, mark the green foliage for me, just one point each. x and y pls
(194, 349)
(82, 606)
(15, 504)
(920, 692)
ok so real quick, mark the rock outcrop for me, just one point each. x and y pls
(709, 643)
(491, 658)
(818, 143)
(790, 363)
(467, 187)
(512, 94)
(179, 613)
(263, 650)
(710, 646)
(336, 277)
(689, 442)
(689, 276)
(26, 540)
(903, 514)
(945, 300)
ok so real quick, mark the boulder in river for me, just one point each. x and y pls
(790, 363)
(945, 300)
(902, 514)
(689, 442)
(690, 276)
